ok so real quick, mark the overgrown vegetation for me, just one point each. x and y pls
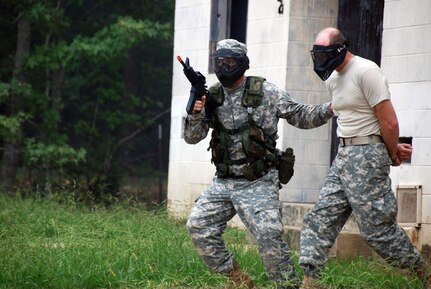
(54, 242)
(84, 88)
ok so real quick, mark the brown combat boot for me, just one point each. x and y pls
(310, 283)
(238, 278)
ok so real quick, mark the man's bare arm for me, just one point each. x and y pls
(389, 129)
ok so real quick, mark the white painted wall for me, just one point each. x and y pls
(312, 147)
(406, 62)
(189, 167)
(190, 170)
(278, 48)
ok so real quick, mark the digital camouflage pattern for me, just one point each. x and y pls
(232, 45)
(256, 202)
(275, 104)
(358, 182)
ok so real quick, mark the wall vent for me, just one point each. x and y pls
(409, 198)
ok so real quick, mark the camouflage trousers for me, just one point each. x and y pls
(358, 182)
(257, 204)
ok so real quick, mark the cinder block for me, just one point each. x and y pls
(413, 235)
(293, 214)
(290, 194)
(351, 244)
(399, 13)
(407, 68)
(426, 209)
(314, 8)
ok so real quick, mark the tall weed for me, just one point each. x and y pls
(45, 244)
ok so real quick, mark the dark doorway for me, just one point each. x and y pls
(361, 22)
(228, 20)
(238, 20)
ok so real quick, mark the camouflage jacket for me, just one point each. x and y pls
(275, 104)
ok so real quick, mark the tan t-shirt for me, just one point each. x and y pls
(355, 91)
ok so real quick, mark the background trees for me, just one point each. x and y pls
(84, 86)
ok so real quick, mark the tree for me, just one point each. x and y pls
(13, 115)
(84, 90)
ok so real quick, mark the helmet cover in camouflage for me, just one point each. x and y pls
(233, 45)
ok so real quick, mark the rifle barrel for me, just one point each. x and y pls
(181, 61)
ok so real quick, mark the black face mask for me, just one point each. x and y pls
(229, 66)
(228, 78)
(327, 58)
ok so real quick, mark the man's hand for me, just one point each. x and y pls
(404, 151)
(199, 105)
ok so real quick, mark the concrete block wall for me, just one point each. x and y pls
(312, 147)
(190, 170)
(406, 62)
(406, 58)
(278, 48)
(189, 167)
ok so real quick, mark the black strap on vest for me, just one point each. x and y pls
(259, 148)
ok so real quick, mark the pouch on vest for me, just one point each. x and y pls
(216, 146)
(254, 170)
(253, 140)
(256, 151)
(285, 166)
(258, 147)
(222, 170)
(257, 134)
(253, 92)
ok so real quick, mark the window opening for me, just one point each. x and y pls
(228, 20)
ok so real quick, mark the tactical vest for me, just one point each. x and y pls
(259, 148)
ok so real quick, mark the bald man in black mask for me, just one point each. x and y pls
(358, 181)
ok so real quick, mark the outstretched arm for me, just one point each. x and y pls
(304, 115)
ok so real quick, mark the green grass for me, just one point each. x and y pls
(44, 244)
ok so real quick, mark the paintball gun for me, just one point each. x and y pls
(198, 83)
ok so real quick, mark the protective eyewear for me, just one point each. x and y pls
(321, 54)
(230, 63)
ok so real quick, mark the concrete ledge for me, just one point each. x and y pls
(347, 245)
(351, 244)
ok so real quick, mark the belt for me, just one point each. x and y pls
(360, 140)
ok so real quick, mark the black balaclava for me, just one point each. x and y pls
(327, 58)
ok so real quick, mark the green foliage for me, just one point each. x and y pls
(364, 273)
(15, 87)
(44, 244)
(80, 86)
(51, 156)
(10, 126)
(107, 46)
(4, 91)
(113, 41)
(45, 15)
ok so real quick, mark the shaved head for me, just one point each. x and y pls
(328, 36)
(330, 52)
